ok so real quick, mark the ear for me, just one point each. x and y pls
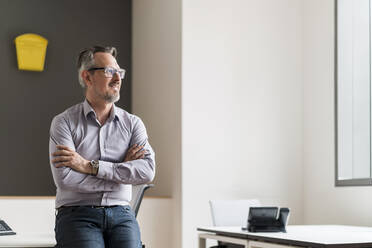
(87, 77)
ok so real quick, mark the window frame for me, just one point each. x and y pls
(355, 181)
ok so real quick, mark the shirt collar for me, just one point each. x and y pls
(88, 109)
(113, 113)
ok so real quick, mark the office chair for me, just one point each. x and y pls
(231, 213)
(138, 192)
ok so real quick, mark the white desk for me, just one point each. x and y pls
(326, 236)
(31, 218)
(28, 240)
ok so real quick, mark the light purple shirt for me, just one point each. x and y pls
(79, 129)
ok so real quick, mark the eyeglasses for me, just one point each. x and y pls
(109, 71)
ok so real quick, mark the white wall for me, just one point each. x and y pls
(323, 202)
(257, 106)
(155, 222)
(157, 100)
(242, 106)
(156, 55)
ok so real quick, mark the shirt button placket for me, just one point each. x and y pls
(102, 142)
(103, 155)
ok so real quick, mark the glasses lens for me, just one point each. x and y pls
(110, 72)
(121, 73)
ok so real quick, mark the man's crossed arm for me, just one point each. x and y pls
(66, 157)
(72, 172)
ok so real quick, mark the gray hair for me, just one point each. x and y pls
(86, 59)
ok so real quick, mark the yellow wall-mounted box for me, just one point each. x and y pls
(31, 50)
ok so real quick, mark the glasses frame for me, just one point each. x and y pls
(106, 72)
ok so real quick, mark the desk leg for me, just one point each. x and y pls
(246, 244)
(204, 236)
(202, 242)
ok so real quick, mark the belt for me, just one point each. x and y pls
(113, 206)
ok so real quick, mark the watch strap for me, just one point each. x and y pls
(94, 165)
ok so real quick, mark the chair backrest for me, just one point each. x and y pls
(137, 195)
(231, 212)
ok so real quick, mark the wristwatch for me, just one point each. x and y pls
(94, 165)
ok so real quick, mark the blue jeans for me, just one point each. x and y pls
(88, 227)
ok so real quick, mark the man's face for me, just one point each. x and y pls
(101, 86)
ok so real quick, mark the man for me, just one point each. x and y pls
(97, 151)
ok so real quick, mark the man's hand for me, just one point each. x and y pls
(69, 158)
(135, 152)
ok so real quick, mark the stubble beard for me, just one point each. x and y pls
(113, 98)
(109, 98)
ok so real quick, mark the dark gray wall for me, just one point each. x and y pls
(29, 100)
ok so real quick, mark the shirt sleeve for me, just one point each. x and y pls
(66, 178)
(138, 171)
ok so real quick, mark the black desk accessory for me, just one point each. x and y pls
(266, 219)
(5, 229)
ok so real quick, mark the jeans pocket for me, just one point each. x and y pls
(128, 210)
(64, 210)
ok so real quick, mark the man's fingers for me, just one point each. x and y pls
(61, 147)
(137, 155)
(64, 164)
(61, 159)
(140, 154)
(132, 147)
(136, 149)
(61, 153)
(135, 152)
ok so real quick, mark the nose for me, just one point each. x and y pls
(116, 75)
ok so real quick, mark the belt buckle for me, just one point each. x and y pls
(98, 207)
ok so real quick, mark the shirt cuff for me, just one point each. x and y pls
(106, 170)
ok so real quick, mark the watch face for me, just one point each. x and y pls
(94, 163)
